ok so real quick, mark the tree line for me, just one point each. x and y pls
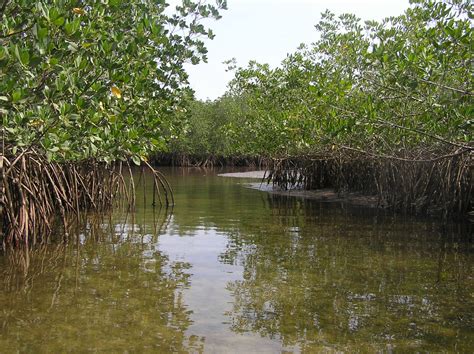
(380, 107)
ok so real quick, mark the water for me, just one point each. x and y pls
(231, 269)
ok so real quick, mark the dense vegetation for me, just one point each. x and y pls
(378, 87)
(102, 80)
(83, 85)
(205, 140)
(379, 107)
(376, 107)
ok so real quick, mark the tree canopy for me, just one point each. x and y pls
(96, 79)
(389, 88)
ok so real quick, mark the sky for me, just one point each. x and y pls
(267, 30)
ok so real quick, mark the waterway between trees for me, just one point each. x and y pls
(234, 269)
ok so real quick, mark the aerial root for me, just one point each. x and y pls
(419, 183)
(38, 191)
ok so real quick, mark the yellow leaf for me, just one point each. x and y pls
(36, 123)
(78, 11)
(116, 92)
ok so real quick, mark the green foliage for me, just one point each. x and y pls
(205, 132)
(381, 87)
(100, 79)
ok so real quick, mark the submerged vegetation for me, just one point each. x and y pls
(83, 85)
(284, 272)
(382, 108)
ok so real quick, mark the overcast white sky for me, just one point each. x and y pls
(266, 30)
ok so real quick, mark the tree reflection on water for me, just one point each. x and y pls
(342, 282)
(109, 289)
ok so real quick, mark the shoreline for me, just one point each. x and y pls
(249, 174)
(322, 195)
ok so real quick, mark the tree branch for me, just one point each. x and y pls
(390, 157)
(27, 28)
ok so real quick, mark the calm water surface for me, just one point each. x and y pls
(231, 269)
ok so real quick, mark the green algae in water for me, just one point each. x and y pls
(235, 269)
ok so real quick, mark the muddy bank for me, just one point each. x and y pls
(324, 195)
(248, 174)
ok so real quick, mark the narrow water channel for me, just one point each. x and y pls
(233, 269)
